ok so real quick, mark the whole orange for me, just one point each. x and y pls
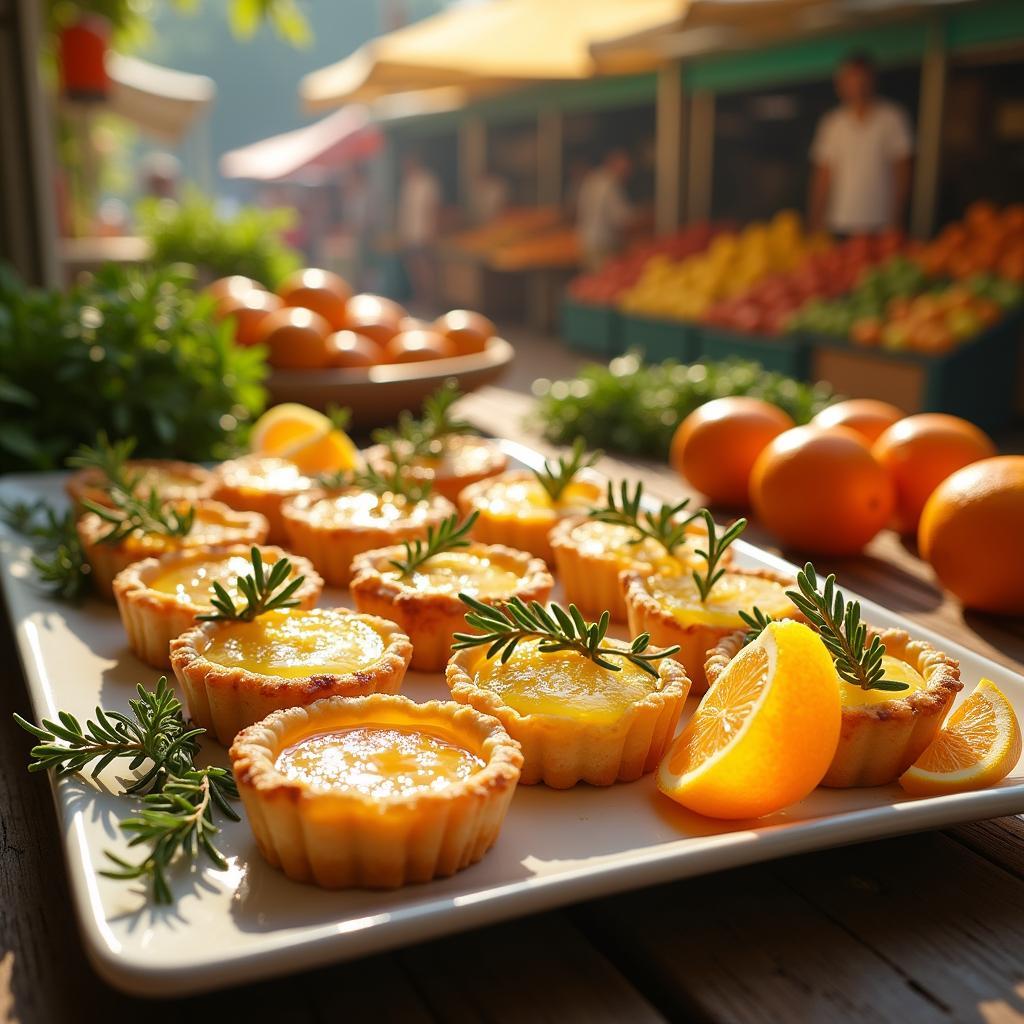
(820, 489)
(468, 331)
(296, 338)
(248, 310)
(418, 346)
(868, 416)
(349, 350)
(716, 446)
(919, 452)
(321, 291)
(971, 533)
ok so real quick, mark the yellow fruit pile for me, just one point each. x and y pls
(731, 264)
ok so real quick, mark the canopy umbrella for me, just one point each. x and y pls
(498, 42)
(308, 153)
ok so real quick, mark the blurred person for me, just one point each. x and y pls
(488, 197)
(419, 205)
(160, 175)
(861, 156)
(603, 211)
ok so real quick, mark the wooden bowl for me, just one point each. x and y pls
(377, 395)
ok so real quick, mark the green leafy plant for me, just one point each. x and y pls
(446, 536)
(132, 352)
(59, 558)
(504, 627)
(192, 232)
(556, 475)
(179, 801)
(634, 407)
(263, 592)
(712, 552)
(626, 509)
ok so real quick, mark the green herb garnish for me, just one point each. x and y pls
(263, 592)
(504, 627)
(447, 536)
(110, 459)
(715, 548)
(176, 817)
(133, 513)
(59, 559)
(757, 622)
(555, 477)
(662, 526)
(426, 437)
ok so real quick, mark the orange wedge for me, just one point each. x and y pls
(978, 746)
(303, 436)
(764, 735)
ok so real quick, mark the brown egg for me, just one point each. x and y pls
(418, 346)
(469, 331)
(349, 350)
(248, 312)
(319, 290)
(376, 317)
(296, 338)
(236, 284)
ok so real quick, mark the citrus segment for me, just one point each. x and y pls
(764, 734)
(980, 745)
(305, 437)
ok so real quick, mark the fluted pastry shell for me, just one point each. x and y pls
(192, 482)
(249, 485)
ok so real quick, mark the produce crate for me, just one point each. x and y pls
(659, 338)
(588, 327)
(977, 380)
(785, 353)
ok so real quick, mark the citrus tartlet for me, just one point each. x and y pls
(213, 525)
(375, 792)
(159, 598)
(331, 527)
(236, 672)
(171, 479)
(260, 483)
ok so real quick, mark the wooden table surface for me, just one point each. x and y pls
(923, 928)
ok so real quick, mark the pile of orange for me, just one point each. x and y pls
(314, 321)
(986, 240)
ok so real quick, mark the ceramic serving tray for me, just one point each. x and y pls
(556, 847)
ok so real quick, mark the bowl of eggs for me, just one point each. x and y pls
(328, 346)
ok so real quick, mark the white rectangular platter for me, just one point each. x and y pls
(556, 847)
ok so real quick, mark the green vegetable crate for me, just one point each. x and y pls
(659, 338)
(786, 353)
(588, 327)
(977, 380)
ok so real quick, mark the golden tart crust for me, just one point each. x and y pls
(338, 838)
(224, 699)
(646, 614)
(153, 617)
(174, 480)
(466, 458)
(215, 525)
(331, 528)
(589, 570)
(514, 509)
(561, 750)
(879, 742)
(260, 483)
(431, 614)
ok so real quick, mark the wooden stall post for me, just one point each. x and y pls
(668, 165)
(928, 144)
(472, 156)
(549, 157)
(701, 156)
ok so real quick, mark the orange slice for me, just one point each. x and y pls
(303, 436)
(764, 735)
(978, 746)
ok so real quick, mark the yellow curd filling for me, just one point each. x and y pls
(733, 593)
(266, 476)
(527, 499)
(377, 762)
(563, 683)
(295, 644)
(364, 508)
(454, 572)
(191, 583)
(896, 671)
(595, 539)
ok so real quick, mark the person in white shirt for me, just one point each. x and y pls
(861, 156)
(419, 204)
(603, 211)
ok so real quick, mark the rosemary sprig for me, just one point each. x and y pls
(446, 536)
(837, 622)
(133, 513)
(111, 461)
(263, 592)
(504, 627)
(59, 560)
(555, 477)
(178, 799)
(756, 621)
(426, 436)
(715, 548)
(662, 526)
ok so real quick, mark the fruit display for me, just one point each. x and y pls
(987, 240)
(825, 273)
(315, 322)
(558, 247)
(509, 226)
(732, 263)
